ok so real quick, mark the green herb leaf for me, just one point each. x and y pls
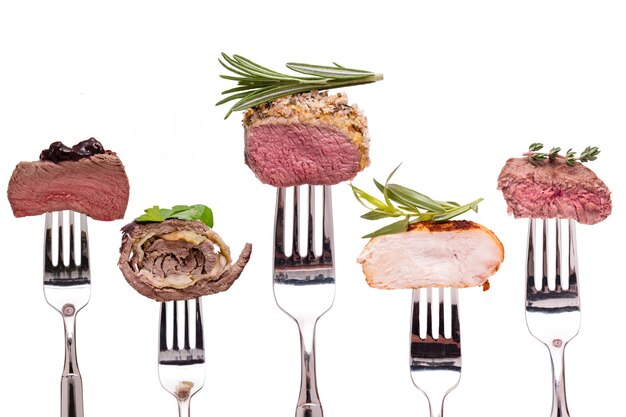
(257, 84)
(413, 206)
(195, 212)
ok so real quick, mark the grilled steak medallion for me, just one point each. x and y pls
(177, 260)
(554, 190)
(95, 185)
(308, 138)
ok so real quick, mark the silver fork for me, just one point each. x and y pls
(304, 286)
(553, 316)
(435, 360)
(181, 367)
(67, 288)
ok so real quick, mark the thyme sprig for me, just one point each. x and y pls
(590, 153)
(410, 206)
(257, 84)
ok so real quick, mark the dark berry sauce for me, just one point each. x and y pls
(57, 152)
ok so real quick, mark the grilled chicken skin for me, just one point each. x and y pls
(456, 254)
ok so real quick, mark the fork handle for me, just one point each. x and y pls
(559, 403)
(71, 381)
(308, 401)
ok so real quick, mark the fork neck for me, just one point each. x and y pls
(68, 311)
(559, 401)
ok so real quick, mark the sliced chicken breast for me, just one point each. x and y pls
(449, 254)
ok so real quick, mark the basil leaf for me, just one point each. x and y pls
(181, 212)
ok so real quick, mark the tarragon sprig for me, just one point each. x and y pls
(590, 153)
(257, 84)
(408, 205)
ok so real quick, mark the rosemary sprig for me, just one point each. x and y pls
(590, 153)
(410, 206)
(257, 84)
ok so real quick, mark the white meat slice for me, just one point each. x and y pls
(449, 254)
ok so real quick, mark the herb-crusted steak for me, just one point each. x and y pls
(553, 189)
(309, 138)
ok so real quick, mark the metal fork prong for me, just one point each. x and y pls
(279, 225)
(311, 225)
(415, 321)
(163, 328)
(295, 248)
(573, 258)
(48, 265)
(530, 259)
(84, 244)
(429, 313)
(442, 333)
(327, 228)
(175, 326)
(455, 327)
(557, 263)
(71, 248)
(199, 326)
(544, 268)
(60, 239)
(186, 327)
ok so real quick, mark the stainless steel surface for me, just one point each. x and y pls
(304, 285)
(435, 358)
(553, 315)
(67, 288)
(181, 366)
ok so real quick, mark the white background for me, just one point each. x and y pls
(467, 85)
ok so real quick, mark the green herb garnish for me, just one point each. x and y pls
(410, 205)
(257, 84)
(590, 153)
(195, 212)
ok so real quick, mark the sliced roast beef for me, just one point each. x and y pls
(553, 189)
(455, 253)
(95, 185)
(177, 260)
(308, 138)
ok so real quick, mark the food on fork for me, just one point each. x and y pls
(425, 248)
(85, 178)
(296, 134)
(455, 253)
(547, 185)
(174, 254)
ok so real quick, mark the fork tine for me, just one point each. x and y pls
(429, 313)
(295, 248)
(48, 243)
(60, 238)
(573, 258)
(163, 327)
(415, 321)
(186, 327)
(454, 310)
(530, 259)
(327, 229)
(279, 225)
(84, 243)
(442, 333)
(71, 247)
(175, 326)
(199, 326)
(544, 268)
(557, 267)
(311, 225)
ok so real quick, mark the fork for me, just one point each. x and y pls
(181, 368)
(67, 288)
(304, 286)
(553, 316)
(435, 360)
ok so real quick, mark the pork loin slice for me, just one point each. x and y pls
(308, 138)
(554, 190)
(177, 260)
(96, 186)
(455, 253)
